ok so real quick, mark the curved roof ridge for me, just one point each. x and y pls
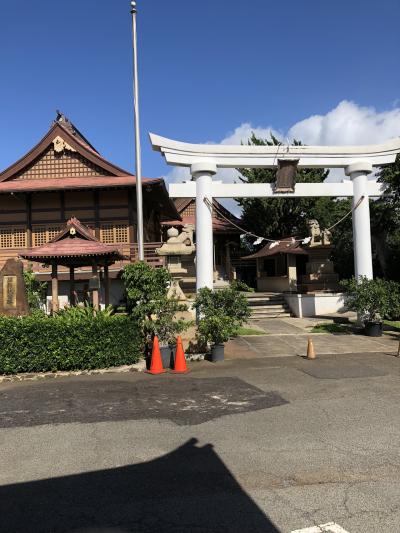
(76, 141)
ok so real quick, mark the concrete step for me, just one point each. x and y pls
(263, 302)
(262, 296)
(272, 315)
(267, 305)
(273, 306)
(259, 308)
(269, 308)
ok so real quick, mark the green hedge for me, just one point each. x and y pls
(43, 344)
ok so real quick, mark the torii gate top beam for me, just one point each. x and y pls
(244, 156)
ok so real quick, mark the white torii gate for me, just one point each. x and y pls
(205, 159)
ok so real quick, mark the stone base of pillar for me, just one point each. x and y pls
(320, 274)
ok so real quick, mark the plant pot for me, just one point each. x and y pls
(165, 356)
(373, 329)
(148, 351)
(217, 352)
(172, 348)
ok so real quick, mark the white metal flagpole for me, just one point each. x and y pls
(139, 193)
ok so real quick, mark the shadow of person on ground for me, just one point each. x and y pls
(188, 490)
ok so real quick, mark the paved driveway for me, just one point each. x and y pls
(287, 337)
(260, 445)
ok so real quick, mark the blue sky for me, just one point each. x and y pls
(209, 71)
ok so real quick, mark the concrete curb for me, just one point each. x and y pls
(35, 376)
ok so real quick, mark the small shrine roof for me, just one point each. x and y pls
(74, 244)
(288, 245)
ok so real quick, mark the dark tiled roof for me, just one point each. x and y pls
(81, 243)
(86, 182)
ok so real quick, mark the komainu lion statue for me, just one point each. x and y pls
(318, 237)
(178, 244)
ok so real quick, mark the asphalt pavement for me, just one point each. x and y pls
(275, 444)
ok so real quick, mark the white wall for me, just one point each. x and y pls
(309, 305)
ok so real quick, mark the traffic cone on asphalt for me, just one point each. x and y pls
(180, 366)
(310, 349)
(156, 366)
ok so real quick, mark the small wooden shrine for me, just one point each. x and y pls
(75, 247)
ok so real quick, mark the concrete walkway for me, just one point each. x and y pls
(289, 336)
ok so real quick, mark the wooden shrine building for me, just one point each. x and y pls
(63, 177)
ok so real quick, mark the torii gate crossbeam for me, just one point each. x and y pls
(205, 159)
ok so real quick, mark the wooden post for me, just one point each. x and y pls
(28, 220)
(72, 301)
(96, 214)
(95, 291)
(258, 267)
(132, 217)
(228, 267)
(62, 207)
(54, 288)
(106, 286)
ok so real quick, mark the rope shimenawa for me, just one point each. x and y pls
(277, 241)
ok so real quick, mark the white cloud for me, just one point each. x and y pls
(346, 124)
(243, 132)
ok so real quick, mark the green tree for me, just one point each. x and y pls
(390, 175)
(385, 222)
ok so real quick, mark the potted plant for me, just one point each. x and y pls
(373, 300)
(219, 314)
(216, 330)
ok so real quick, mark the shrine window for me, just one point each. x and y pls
(190, 210)
(275, 266)
(13, 237)
(114, 233)
(44, 234)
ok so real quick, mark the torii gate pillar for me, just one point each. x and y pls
(202, 173)
(358, 173)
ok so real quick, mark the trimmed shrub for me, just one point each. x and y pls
(43, 344)
(149, 303)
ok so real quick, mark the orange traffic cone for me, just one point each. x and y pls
(156, 366)
(310, 349)
(180, 366)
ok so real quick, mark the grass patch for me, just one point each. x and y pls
(249, 331)
(329, 328)
(392, 323)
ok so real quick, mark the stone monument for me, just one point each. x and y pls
(176, 246)
(13, 298)
(320, 274)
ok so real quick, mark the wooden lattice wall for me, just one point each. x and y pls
(60, 165)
